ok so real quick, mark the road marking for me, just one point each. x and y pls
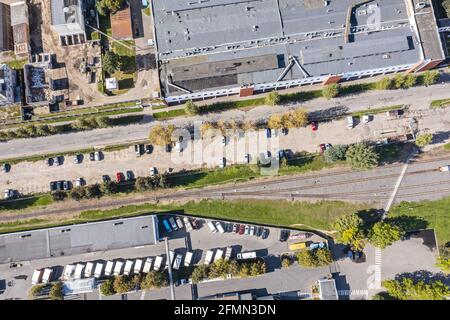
(143, 294)
(394, 192)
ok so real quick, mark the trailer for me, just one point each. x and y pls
(209, 256)
(98, 270)
(118, 268)
(47, 275)
(137, 266)
(88, 270)
(148, 265)
(158, 262)
(37, 276)
(246, 255)
(128, 267)
(170, 258)
(188, 224)
(79, 271)
(219, 255)
(69, 270)
(177, 262)
(109, 268)
(188, 259)
(228, 253)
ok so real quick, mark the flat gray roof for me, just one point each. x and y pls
(78, 239)
(67, 16)
(19, 13)
(194, 33)
(327, 289)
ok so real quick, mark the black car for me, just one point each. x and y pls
(265, 233)
(148, 149)
(67, 185)
(50, 162)
(92, 156)
(137, 150)
(129, 175)
(284, 235)
(106, 178)
(59, 185)
(168, 148)
(78, 159)
(6, 167)
(258, 231)
(229, 227)
(53, 186)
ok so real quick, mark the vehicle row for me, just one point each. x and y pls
(77, 159)
(216, 226)
(175, 223)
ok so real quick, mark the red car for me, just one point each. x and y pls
(119, 177)
(324, 146)
(241, 229)
(314, 126)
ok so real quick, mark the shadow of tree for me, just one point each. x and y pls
(408, 223)
(425, 276)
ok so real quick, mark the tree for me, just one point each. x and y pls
(107, 288)
(93, 191)
(110, 62)
(331, 91)
(446, 6)
(108, 187)
(31, 130)
(424, 139)
(154, 279)
(219, 269)
(410, 81)
(385, 84)
(350, 230)
(323, 256)
(298, 118)
(56, 291)
(335, 153)
(244, 270)
(43, 130)
(410, 289)
(399, 81)
(103, 122)
(362, 156)
(306, 258)
(108, 6)
(123, 284)
(248, 125)
(444, 264)
(286, 262)
(141, 184)
(275, 121)
(272, 99)
(77, 193)
(191, 108)
(257, 268)
(317, 258)
(431, 77)
(160, 135)
(384, 234)
(200, 272)
(37, 290)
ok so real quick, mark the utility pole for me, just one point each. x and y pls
(169, 263)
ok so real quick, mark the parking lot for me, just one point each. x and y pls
(32, 177)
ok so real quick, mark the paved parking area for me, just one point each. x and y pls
(32, 177)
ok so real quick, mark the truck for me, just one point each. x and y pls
(177, 262)
(246, 255)
(228, 253)
(212, 227)
(128, 267)
(98, 270)
(109, 268)
(37, 276)
(444, 168)
(137, 266)
(219, 227)
(148, 265)
(69, 270)
(158, 262)
(88, 270)
(209, 256)
(118, 268)
(188, 224)
(170, 258)
(79, 268)
(219, 255)
(47, 275)
(188, 258)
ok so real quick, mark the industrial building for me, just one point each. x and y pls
(78, 239)
(5, 27)
(20, 27)
(212, 48)
(68, 21)
(8, 81)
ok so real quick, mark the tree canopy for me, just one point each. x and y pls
(335, 153)
(409, 289)
(384, 234)
(424, 139)
(350, 230)
(191, 108)
(273, 98)
(362, 156)
(110, 62)
(160, 135)
(331, 91)
(108, 6)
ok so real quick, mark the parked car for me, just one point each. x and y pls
(79, 182)
(167, 226)
(241, 229)
(224, 140)
(314, 126)
(258, 231)
(97, 155)
(445, 168)
(178, 147)
(173, 224)
(78, 159)
(148, 149)
(59, 185)
(180, 223)
(153, 171)
(228, 227)
(324, 146)
(247, 158)
(50, 162)
(366, 118)
(66, 185)
(252, 230)
(265, 233)
(273, 133)
(350, 123)
(6, 167)
(92, 156)
(53, 186)
(8, 194)
(168, 148)
(119, 177)
(268, 133)
(247, 230)
(284, 235)
(130, 175)
(105, 178)
(137, 150)
(56, 161)
(222, 163)
(235, 228)
(195, 223)
(284, 131)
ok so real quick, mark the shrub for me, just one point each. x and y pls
(385, 84)
(335, 153)
(160, 135)
(200, 273)
(154, 279)
(37, 290)
(424, 139)
(191, 108)
(321, 257)
(272, 99)
(123, 284)
(331, 91)
(77, 193)
(275, 121)
(431, 77)
(384, 234)
(93, 191)
(362, 156)
(107, 288)
(59, 195)
(56, 291)
(286, 262)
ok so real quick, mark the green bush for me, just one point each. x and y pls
(385, 84)
(331, 91)
(362, 156)
(56, 291)
(200, 273)
(335, 153)
(107, 288)
(191, 108)
(37, 290)
(123, 284)
(154, 279)
(317, 258)
(430, 77)
(424, 139)
(272, 99)
(384, 234)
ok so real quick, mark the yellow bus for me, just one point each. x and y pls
(297, 246)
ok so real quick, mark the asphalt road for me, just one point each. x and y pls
(417, 98)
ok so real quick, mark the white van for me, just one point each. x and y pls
(219, 227)
(212, 227)
(350, 122)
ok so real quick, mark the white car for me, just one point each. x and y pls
(8, 194)
(252, 230)
(445, 168)
(222, 163)
(97, 156)
(273, 133)
(224, 140)
(247, 158)
(178, 147)
(152, 171)
(79, 182)
(247, 230)
(365, 118)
